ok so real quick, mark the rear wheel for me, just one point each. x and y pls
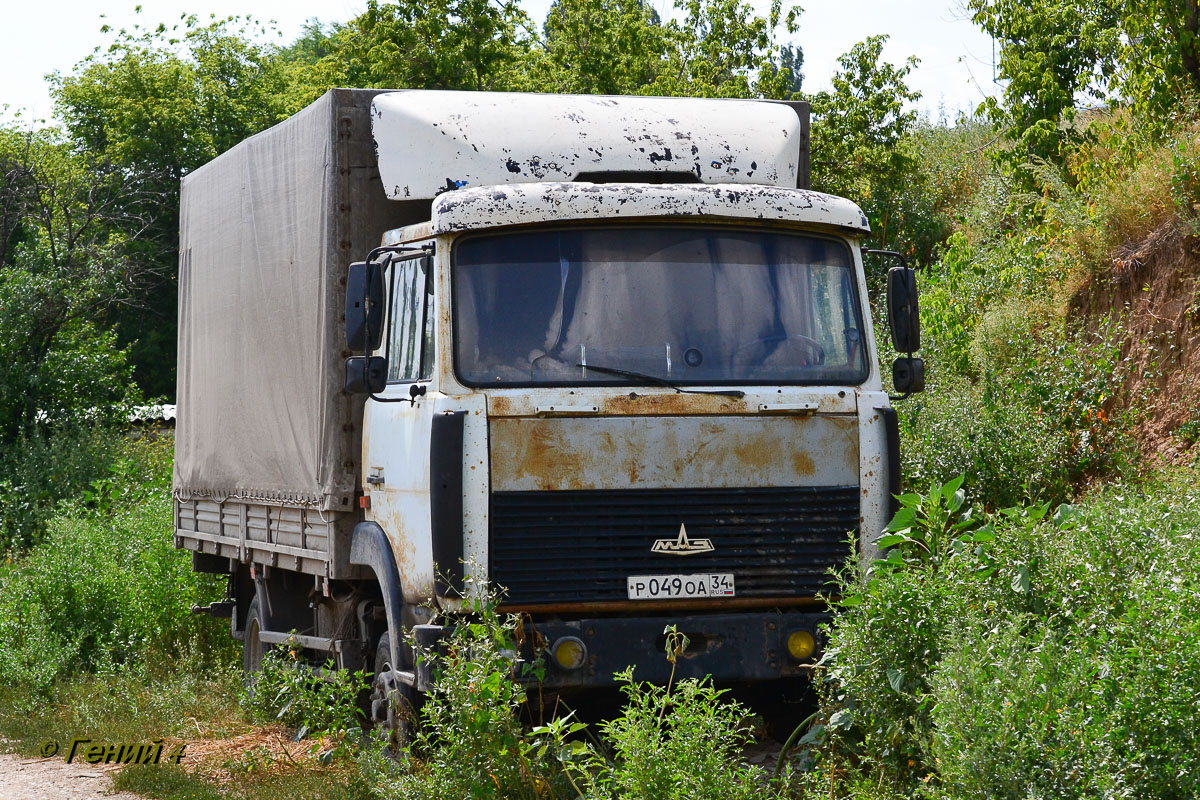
(252, 645)
(394, 705)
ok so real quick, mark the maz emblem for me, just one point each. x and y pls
(681, 545)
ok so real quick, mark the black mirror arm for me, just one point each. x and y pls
(889, 253)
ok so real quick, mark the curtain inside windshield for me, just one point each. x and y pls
(686, 305)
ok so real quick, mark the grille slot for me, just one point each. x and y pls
(580, 546)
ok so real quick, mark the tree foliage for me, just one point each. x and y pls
(600, 47)
(434, 44)
(723, 49)
(860, 138)
(1056, 55)
(65, 257)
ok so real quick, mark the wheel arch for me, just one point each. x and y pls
(370, 547)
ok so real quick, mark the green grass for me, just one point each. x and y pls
(183, 700)
(175, 783)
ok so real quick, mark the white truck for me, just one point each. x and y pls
(608, 356)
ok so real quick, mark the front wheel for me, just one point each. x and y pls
(394, 705)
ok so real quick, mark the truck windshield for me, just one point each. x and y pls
(689, 305)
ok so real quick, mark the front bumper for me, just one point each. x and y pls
(731, 648)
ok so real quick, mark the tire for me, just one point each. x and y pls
(252, 646)
(395, 706)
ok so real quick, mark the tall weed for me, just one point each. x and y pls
(106, 588)
(42, 468)
(315, 702)
(675, 742)
(1031, 654)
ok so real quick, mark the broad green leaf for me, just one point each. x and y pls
(952, 486)
(985, 534)
(813, 735)
(904, 518)
(1064, 513)
(841, 720)
(1020, 581)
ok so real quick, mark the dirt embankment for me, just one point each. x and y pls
(1155, 285)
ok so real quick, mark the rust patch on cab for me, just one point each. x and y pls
(803, 463)
(499, 405)
(672, 404)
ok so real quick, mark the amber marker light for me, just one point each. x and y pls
(801, 645)
(569, 652)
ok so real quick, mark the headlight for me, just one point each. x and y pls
(569, 652)
(801, 645)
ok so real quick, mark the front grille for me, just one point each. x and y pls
(580, 546)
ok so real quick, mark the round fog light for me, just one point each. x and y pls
(569, 652)
(801, 645)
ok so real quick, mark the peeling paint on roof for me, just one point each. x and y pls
(431, 142)
(495, 206)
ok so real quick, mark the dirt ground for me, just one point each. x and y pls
(54, 779)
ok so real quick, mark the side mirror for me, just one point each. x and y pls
(364, 307)
(903, 310)
(908, 375)
(366, 374)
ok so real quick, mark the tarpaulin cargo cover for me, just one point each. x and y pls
(267, 231)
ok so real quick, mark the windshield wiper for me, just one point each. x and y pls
(657, 381)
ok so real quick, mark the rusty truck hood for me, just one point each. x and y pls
(659, 452)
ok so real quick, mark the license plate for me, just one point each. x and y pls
(669, 587)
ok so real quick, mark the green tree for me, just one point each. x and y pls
(439, 44)
(1056, 55)
(1052, 54)
(65, 258)
(155, 104)
(722, 48)
(861, 138)
(791, 58)
(599, 47)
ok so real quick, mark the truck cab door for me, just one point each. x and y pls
(396, 432)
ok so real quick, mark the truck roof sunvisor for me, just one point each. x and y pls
(430, 142)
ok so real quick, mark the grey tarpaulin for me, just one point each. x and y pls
(267, 231)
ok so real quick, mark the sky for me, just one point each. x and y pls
(955, 72)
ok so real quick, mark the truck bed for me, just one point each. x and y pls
(299, 539)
